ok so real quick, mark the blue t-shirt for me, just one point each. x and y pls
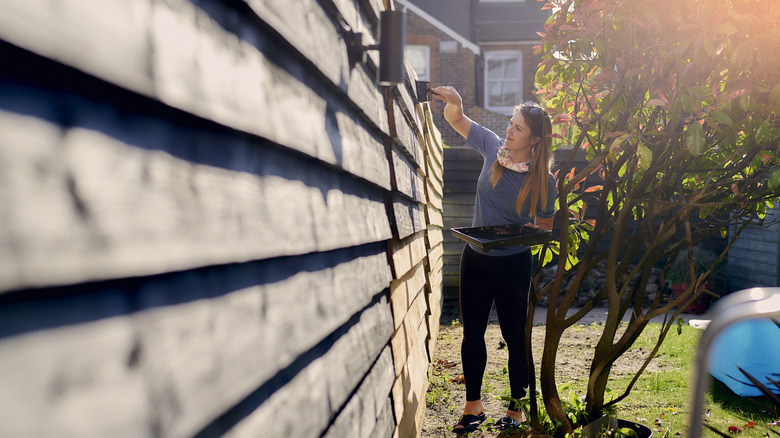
(496, 206)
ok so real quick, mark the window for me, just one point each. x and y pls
(503, 80)
(419, 58)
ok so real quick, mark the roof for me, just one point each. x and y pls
(484, 21)
(465, 42)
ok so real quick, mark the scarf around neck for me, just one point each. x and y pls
(502, 155)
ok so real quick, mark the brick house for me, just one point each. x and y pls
(484, 48)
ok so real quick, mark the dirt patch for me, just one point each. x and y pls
(446, 397)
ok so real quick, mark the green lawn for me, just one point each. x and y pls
(665, 396)
(660, 399)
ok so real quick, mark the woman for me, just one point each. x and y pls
(514, 186)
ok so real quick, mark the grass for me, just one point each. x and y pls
(666, 394)
(661, 399)
(438, 391)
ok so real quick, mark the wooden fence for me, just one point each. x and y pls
(754, 259)
(212, 223)
(461, 172)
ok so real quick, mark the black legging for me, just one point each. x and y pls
(507, 280)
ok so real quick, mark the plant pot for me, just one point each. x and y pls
(700, 305)
(641, 430)
(597, 428)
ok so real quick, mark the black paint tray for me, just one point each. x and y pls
(499, 236)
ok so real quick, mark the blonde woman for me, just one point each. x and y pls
(514, 186)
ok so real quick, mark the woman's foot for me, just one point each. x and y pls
(518, 416)
(474, 407)
(512, 419)
(469, 423)
(473, 416)
(505, 423)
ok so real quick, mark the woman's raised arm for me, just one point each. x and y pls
(453, 112)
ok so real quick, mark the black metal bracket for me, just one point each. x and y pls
(392, 36)
(356, 51)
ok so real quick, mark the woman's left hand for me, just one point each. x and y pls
(545, 223)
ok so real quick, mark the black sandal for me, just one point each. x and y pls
(506, 422)
(469, 423)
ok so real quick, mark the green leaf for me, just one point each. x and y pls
(573, 399)
(723, 118)
(764, 132)
(709, 48)
(774, 180)
(774, 98)
(645, 155)
(685, 100)
(548, 256)
(745, 102)
(694, 140)
(618, 141)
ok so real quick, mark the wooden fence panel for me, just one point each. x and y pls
(210, 215)
(162, 212)
(193, 354)
(409, 216)
(411, 382)
(181, 55)
(325, 384)
(408, 179)
(461, 170)
(406, 135)
(753, 259)
(360, 417)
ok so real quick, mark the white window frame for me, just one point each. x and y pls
(502, 54)
(426, 50)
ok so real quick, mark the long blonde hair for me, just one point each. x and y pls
(535, 184)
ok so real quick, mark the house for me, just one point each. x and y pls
(485, 49)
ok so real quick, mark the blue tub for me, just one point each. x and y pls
(753, 345)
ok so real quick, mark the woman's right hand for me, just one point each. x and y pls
(447, 94)
(453, 111)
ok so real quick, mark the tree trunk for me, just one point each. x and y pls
(552, 401)
(596, 389)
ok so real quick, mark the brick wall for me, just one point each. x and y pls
(455, 69)
(491, 120)
(462, 70)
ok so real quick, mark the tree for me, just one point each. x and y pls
(676, 104)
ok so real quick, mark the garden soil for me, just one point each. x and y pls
(446, 396)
